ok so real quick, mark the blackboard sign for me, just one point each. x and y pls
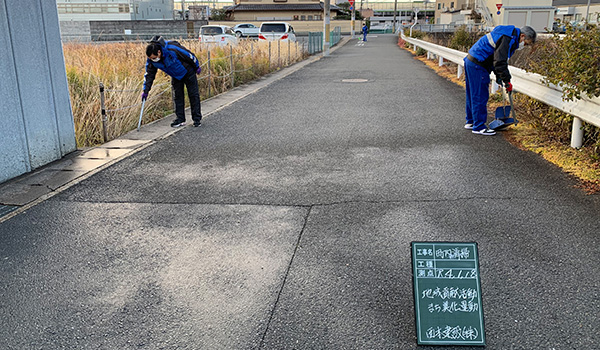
(447, 293)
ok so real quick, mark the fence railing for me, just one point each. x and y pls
(315, 40)
(530, 84)
(448, 28)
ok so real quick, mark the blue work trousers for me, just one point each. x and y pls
(477, 80)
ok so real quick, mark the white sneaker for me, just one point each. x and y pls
(469, 126)
(486, 132)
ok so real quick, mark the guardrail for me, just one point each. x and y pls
(448, 28)
(530, 84)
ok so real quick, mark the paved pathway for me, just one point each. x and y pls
(285, 222)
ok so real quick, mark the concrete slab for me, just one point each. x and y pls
(20, 193)
(104, 153)
(124, 143)
(79, 164)
(51, 178)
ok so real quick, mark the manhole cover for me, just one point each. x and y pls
(354, 80)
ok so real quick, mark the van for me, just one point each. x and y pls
(273, 31)
(217, 34)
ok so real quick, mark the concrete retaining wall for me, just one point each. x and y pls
(143, 30)
(36, 126)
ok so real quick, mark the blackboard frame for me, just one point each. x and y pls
(481, 343)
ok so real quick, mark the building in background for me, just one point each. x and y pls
(383, 13)
(574, 11)
(538, 14)
(279, 10)
(111, 10)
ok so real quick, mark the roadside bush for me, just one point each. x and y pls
(417, 34)
(462, 39)
(573, 63)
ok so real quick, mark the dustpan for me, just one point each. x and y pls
(503, 116)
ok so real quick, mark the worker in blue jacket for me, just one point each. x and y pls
(491, 54)
(182, 65)
(365, 31)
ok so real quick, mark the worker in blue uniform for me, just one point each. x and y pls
(491, 54)
(182, 65)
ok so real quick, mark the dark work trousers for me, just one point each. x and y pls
(477, 81)
(191, 83)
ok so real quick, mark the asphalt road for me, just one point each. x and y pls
(285, 222)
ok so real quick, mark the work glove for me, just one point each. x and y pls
(144, 96)
(508, 86)
(198, 70)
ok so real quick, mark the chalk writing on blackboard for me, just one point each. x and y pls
(447, 293)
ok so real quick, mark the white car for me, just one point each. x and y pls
(217, 34)
(245, 29)
(273, 31)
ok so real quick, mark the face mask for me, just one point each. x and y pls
(521, 45)
(155, 59)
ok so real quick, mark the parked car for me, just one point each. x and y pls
(217, 34)
(273, 31)
(245, 29)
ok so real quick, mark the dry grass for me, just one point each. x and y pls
(120, 68)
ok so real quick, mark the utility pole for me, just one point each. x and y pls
(183, 9)
(326, 28)
(587, 15)
(395, 10)
(353, 18)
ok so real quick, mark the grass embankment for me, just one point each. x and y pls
(120, 67)
(583, 164)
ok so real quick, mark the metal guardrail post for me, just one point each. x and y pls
(103, 113)
(231, 65)
(577, 133)
(269, 62)
(460, 71)
(209, 73)
(289, 52)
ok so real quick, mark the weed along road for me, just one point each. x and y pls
(286, 222)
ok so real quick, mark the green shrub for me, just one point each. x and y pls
(462, 39)
(572, 62)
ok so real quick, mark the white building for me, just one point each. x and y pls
(538, 14)
(575, 11)
(111, 10)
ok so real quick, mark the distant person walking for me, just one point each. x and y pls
(365, 30)
(491, 54)
(182, 65)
